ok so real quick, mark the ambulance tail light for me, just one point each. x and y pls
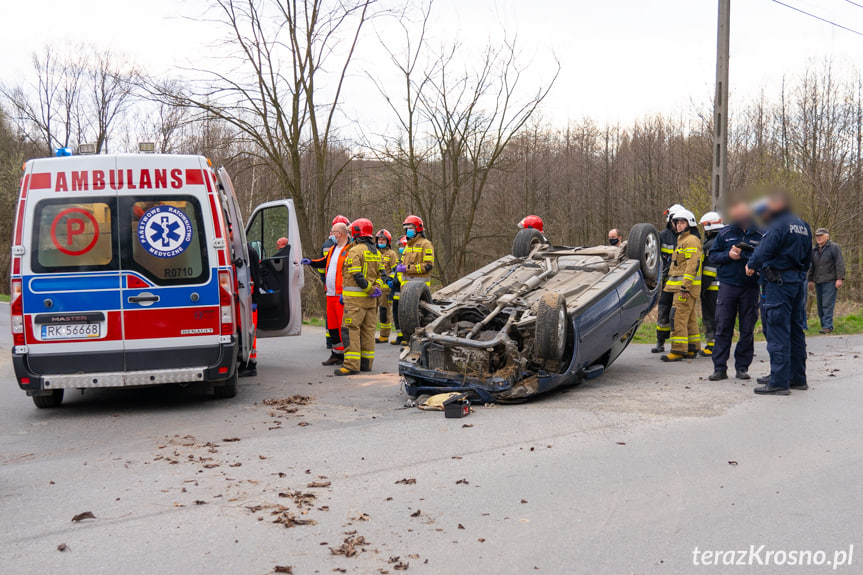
(226, 302)
(17, 313)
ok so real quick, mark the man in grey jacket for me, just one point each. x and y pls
(826, 274)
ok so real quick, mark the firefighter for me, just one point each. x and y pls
(418, 258)
(667, 242)
(395, 294)
(360, 294)
(389, 260)
(323, 254)
(684, 283)
(712, 223)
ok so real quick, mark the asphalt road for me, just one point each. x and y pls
(627, 474)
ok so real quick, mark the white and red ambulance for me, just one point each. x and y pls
(136, 269)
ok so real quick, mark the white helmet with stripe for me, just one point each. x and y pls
(684, 214)
(711, 221)
(669, 213)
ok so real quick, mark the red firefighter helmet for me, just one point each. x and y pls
(534, 222)
(385, 234)
(403, 241)
(340, 219)
(416, 221)
(362, 227)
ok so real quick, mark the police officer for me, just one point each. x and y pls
(396, 293)
(360, 293)
(783, 258)
(667, 243)
(738, 296)
(684, 283)
(389, 260)
(418, 258)
(712, 223)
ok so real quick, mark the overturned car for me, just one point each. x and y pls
(544, 317)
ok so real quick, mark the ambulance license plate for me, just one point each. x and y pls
(72, 331)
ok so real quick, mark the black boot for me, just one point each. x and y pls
(365, 364)
(718, 375)
(768, 390)
(764, 380)
(334, 359)
(249, 369)
(742, 374)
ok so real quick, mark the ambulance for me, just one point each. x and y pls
(136, 270)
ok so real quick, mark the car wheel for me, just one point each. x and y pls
(551, 325)
(226, 389)
(413, 293)
(643, 245)
(525, 241)
(49, 401)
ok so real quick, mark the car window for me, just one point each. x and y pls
(167, 239)
(74, 236)
(265, 229)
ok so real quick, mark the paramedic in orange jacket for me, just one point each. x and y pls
(331, 264)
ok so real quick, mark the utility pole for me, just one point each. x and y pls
(720, 109)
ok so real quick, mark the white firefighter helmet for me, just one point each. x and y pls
(669, 213)
(711, 221)
(685, 214)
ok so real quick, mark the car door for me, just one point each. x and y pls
(279, 303)
(71, 279)
(170, 284)
(240, 259)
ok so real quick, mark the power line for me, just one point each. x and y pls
(854, 3)
(832, 23)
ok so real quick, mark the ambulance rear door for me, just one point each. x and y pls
(240, 252)
(170, 263)
(70, 263)
(279, 307)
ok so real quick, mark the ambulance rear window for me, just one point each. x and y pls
(167, 239)
(74, 236)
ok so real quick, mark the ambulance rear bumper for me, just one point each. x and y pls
(34, 383)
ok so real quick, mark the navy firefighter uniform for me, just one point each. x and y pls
(782, 259)
(667, 243)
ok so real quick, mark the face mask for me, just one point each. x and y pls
(410, 233)
(382, 246)
(401, 250)
(613, 241)
(332, 238)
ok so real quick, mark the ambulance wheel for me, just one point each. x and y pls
(525, 241)
(643, 245)
(226, 389)
(410, 311)
(551, 324)
(49, 401)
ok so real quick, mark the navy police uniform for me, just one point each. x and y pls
(783, 258)
(737, 297)
(667, 243)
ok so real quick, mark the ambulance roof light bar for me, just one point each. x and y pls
(147, 147)
(86, 149)
(63, 152)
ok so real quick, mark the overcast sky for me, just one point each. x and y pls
(620, 59)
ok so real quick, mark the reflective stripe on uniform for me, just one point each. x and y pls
(694, 338)
(667, 249)
(367, 355)
(673, 339)
(663, 328)
(352, 355)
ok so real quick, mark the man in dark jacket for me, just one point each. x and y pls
(826, 275)
(783, 258)
(738, 297)
(667, 243)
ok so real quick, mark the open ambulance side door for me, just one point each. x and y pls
(279, 306)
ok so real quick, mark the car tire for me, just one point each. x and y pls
(643, 245)
(226, 389)
(49, 401)
(551, 327)
(413, 293)
(525, 241)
